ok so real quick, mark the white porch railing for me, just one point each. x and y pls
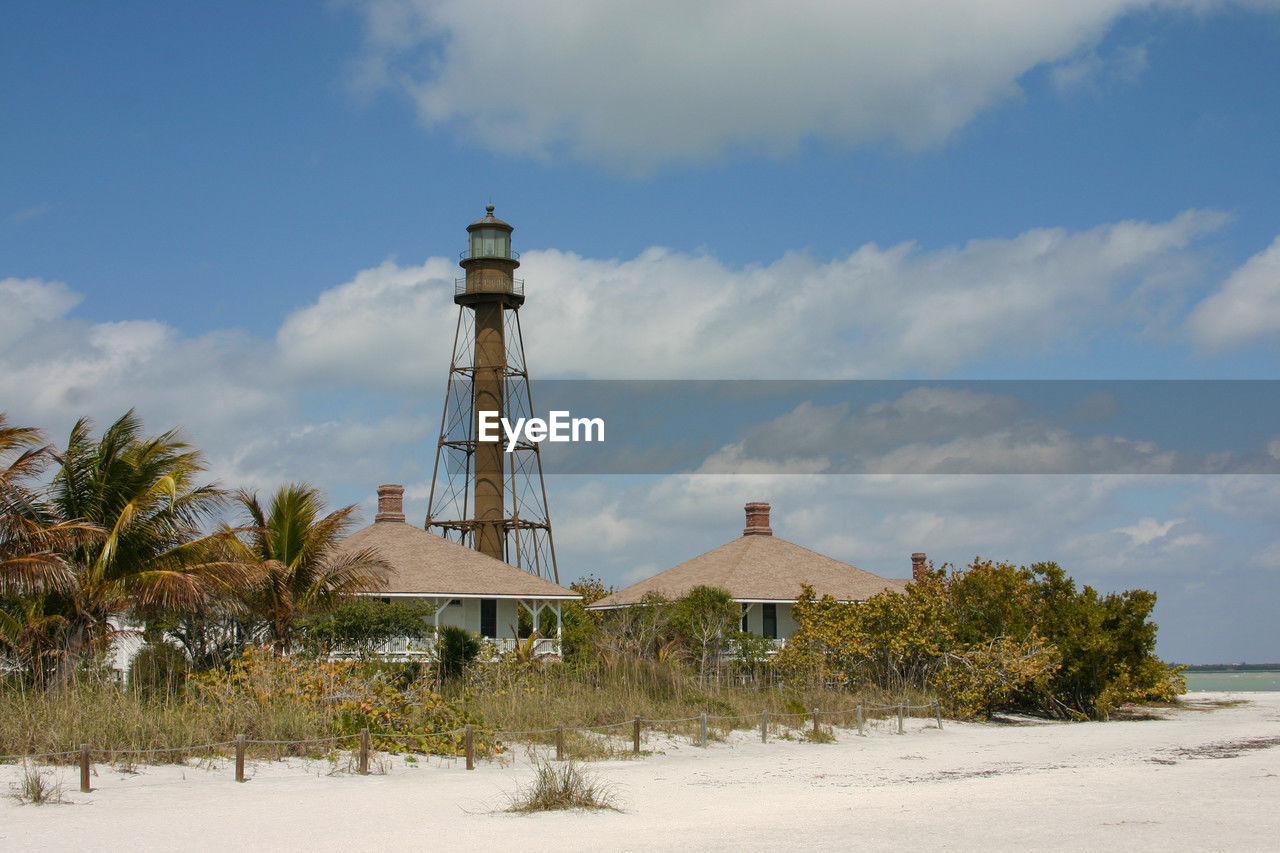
(776, 644)
(542, 646)
(405, 648)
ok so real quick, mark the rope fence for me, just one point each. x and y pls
(469, 732)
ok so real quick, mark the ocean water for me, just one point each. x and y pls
(1229, 680)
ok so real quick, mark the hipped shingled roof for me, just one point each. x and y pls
(425, 564)
(759, 566)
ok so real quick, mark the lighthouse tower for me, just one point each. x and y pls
(482, 496)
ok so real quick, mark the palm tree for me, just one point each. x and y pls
(152, 557)
(32, 638)
(300, 567)
(32, 538)
(31, 533)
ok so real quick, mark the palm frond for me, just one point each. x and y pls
(344, 574)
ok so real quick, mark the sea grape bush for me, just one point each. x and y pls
(991, 637)
(986, 677)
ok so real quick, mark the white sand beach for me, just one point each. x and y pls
(1206, 776)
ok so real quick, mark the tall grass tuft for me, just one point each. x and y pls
(565, 786)
(36, 787)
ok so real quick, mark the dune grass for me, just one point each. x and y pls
(285, 704)
(513, 699)
(36, 787)
(121, 721)
(563, 786)
(263, 702)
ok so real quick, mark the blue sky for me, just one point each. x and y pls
(244, 218)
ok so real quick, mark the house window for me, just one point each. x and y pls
(770, 614)
(744, 627)
(489, 617)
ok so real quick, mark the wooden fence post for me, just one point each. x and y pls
(702, 730)
(240, 758)
(764, 726)
(469, 741)
(84, 768)
(937, 709)
(815, 722)
(901, 713)
(862, 731)
(364, 751)
(635, 736)
(559, 743)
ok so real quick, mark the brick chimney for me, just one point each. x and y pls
(758, 519)
(918, 569)
(390, 503)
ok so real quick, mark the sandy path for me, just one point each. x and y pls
(1128, 785)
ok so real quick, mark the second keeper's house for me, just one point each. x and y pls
(765, 574)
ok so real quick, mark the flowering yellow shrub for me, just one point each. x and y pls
(402, 712)
(984, 677)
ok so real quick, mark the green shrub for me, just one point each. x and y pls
(457, 649)
(363, 624)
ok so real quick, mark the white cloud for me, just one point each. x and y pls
(390, 327)
(1256, 496)
(1177, 547)
(1246, 307)
(347, 390)
(1147, 530)
(592, 519)
(874, 312)
(30, 301)
(637, 85)
(939, 430)
(665, 314)
(733, 459)
(872, 521)
(1038, 450)
(362, 450)
(54, 367)
(1091, 71)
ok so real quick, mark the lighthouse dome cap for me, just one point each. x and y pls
(489, 221)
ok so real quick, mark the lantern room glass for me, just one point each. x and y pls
(490, 243)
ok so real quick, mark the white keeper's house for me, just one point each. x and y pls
(468, 589)
(764, 573)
